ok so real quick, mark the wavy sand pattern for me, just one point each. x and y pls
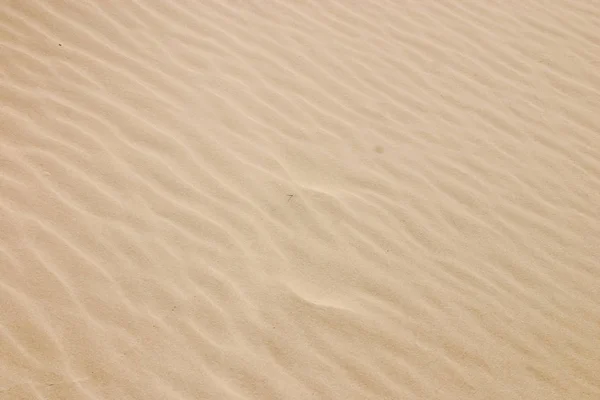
(300, 199)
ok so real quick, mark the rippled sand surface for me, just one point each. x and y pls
(278, 199)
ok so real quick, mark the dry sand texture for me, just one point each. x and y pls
(300, 199)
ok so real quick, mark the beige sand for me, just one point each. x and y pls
(311, 199)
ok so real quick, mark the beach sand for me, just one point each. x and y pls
(278, 199)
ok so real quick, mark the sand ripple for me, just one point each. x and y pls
(299, 199)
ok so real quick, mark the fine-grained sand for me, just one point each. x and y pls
(300, 199)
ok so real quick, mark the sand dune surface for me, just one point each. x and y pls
(281, 199)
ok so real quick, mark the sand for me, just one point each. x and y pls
(279, 199)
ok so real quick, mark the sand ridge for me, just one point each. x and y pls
(299, 199)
